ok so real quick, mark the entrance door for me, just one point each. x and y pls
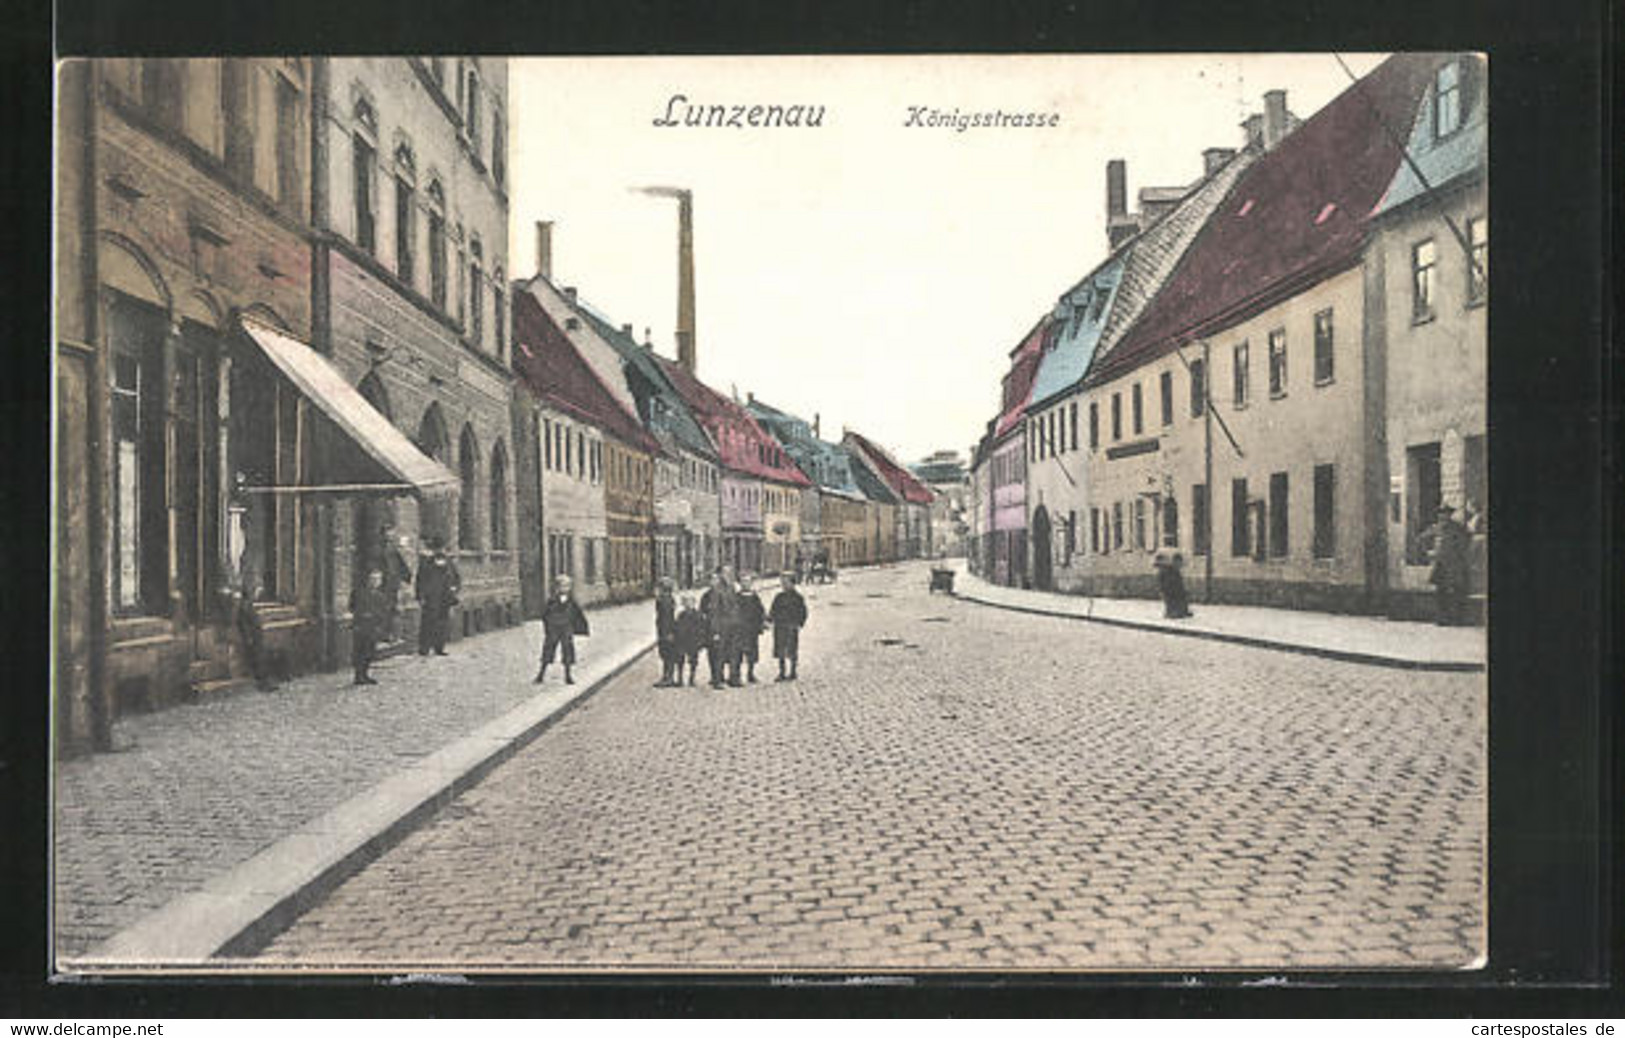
(1043, 544)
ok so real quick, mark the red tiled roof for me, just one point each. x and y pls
(896, 476)
(1298, 215)
(1018, 382)
(550, 366)
(741, 443)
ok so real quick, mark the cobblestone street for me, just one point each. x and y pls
(195, 789)
(953, 785)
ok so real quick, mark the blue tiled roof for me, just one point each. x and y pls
(825, 463)
(1081, 315)
(666, 415)
(1442, 161)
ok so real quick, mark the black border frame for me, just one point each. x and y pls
(1554, 405)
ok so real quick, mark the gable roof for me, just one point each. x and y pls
(900, 481)
(1018, 381)
(1297, 215)
(1443, 161)
(664, 413)
(824, 463)
(552, 368)
(869, 484)
(742, 445)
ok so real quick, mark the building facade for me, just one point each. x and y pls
(1430, 258)
(1240, 420)
(588, 466)
(183, 200)
(913, 498)
(410, 207)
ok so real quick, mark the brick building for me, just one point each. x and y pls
(410, 210)
(182, 195)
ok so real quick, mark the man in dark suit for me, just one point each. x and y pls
(438, 583)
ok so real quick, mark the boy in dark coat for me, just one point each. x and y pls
(666, 634)
(691, 634)
(1451, 546)
(788, 614)
(369, 614)
(719, 604)
(562, 620)
(437, 585)
(752, 620)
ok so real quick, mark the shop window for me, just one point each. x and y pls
(140, 549)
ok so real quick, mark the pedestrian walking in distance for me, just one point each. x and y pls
(692, 633)
(789, 614)
(438, 583)
(720, 608)
(562, 620)
(397, 573)
(369, 619)
(1451, 545)
(671, 660)
(1171, 582)
(752, 622)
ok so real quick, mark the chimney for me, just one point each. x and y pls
(648, 341)
(1116, 189)
(1252, 132)
(1214, 159)
(685, 281)
(815, 425)
(570, 292)
(1275, 118)
(750, 396)
(544, 248)
(626, 330)
(1120, 226)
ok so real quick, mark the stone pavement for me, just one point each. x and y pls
(196, 790)
(1359, 639)
(954, 786)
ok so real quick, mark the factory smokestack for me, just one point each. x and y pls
(686, 352)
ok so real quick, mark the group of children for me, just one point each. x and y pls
(727, 623)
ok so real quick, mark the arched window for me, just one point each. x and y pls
(364, 152)
(405, 213)
(476, 299)
(499, 497)
(468, 531)
(433, 441)
(437, 244)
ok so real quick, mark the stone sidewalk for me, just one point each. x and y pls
(1355, 639)
(199, 800)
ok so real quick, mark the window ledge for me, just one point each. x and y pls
(1279, 394)
(1329, 380)
(1241, 406)
(1475, 304)
(1420, 319)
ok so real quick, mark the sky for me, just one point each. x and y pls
(869, 272)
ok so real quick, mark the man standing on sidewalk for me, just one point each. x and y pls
(1451, 545)
(562, 620)
(437, 585)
